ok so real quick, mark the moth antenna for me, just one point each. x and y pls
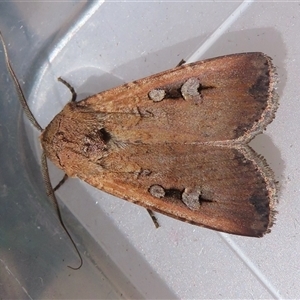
(51, 194)
(45, 172)
(68, 85)
(21, 96)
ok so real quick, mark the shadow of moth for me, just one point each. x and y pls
(177, 142)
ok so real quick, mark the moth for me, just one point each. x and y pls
(177, 142)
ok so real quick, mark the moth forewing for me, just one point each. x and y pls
(176, 142)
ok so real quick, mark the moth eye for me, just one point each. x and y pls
(157, 191)
(191, 197)
(190, 90)
(157, 95)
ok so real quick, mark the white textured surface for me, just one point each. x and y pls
(133, 40)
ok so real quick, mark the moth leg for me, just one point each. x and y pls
(154, 219)
(182, 62)
(68, 85)
(62, 181)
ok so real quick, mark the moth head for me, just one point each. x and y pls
(74, 136)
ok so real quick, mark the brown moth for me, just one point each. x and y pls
(177, 142)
